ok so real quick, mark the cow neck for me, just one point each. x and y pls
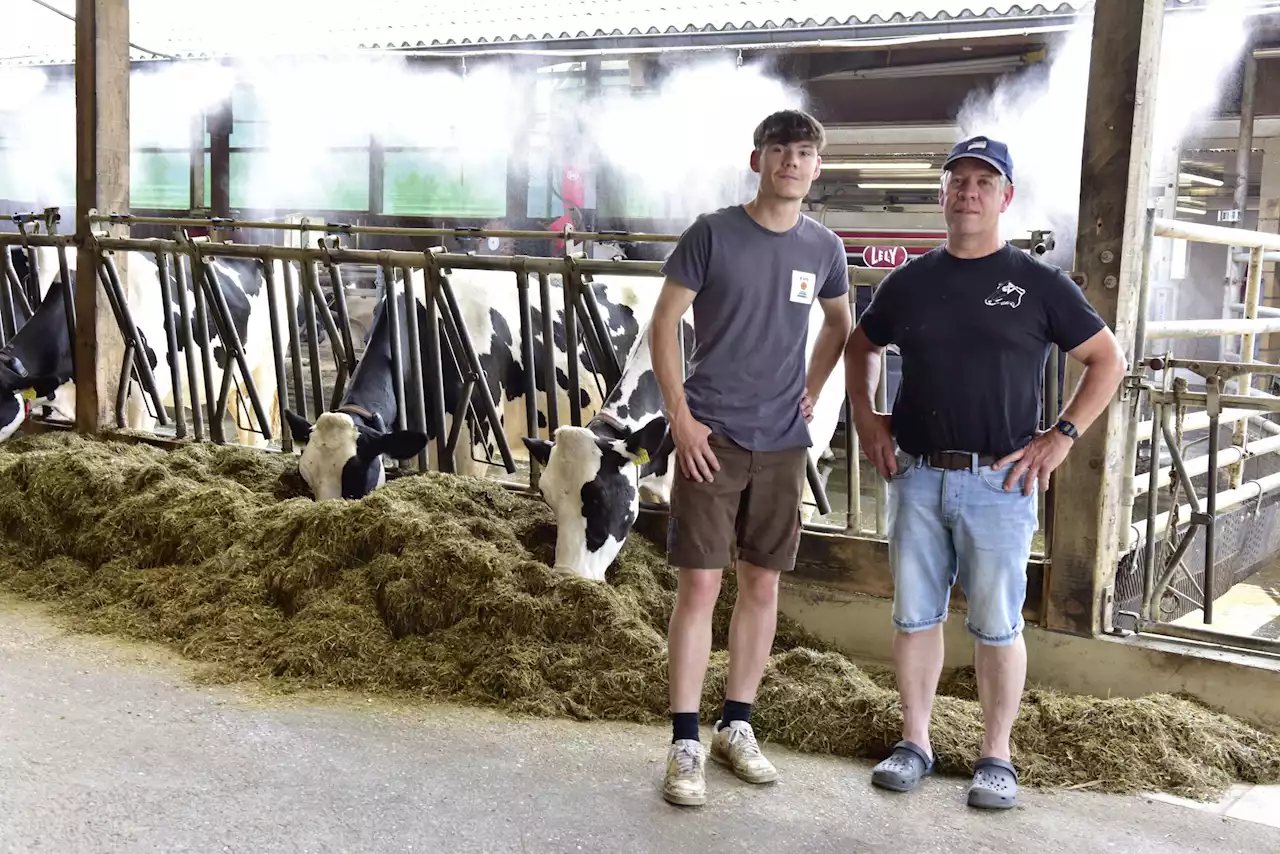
(371, 420)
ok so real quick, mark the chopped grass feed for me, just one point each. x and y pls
(438, 586)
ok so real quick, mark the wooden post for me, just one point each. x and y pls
(1114, 188)
(1269, 221)
(102, 184)
(220, 158)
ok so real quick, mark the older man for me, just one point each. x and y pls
(973, 320)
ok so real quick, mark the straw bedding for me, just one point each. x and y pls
(438, 587)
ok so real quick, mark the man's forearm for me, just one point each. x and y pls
(826, 352)
(665, 355)
(1093, 394)
(861, 364)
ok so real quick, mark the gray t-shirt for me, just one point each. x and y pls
(755, 292)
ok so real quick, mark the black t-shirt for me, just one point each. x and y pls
(974, 335)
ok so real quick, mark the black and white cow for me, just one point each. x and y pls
(488, 302)
(243, 286)
(35, 366)
(593, 475)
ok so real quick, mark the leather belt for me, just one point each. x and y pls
(957, 460)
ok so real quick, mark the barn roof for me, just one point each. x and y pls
(34, 31)
(41, 32)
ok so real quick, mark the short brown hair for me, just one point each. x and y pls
(787, 126)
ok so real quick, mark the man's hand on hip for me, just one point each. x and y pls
(696, 457)
(1037, 459)
(877, 442)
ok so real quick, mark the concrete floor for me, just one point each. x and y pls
(109, 746)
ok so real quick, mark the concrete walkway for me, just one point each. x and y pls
(109, 747)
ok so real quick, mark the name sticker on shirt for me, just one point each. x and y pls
(802, 286)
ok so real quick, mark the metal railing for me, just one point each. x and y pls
(300, 272)
(1228, 398)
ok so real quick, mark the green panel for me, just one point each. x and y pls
(160, 180)
(208, 180)
(443, 182)
(266, 180)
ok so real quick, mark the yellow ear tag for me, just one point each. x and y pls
(29, 394)
(642, 457)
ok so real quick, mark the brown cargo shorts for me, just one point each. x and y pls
(750, 510)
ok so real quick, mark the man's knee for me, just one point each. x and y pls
(698, 589)
(757, 585)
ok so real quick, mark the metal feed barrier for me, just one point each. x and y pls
(188, 259)
(1154, 582)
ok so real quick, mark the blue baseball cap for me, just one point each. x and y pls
(985, 149)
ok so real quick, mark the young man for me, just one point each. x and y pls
(739, 426)
(973, 320)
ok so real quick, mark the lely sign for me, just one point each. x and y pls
(884, 256)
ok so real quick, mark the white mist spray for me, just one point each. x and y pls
(1040, 113)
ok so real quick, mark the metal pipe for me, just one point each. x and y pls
(1199, 465)
(1130, 463)
(1243, 258)
(1248, 348)
(1200, 420)
(610, 365)
(1258, 402)
(277, 355)
(309, 307)
(1184, 477)
(1211, 510)
(1218, 639)
(1225, 500)
(852, 472)
(453, 319)
(815, 485)
(8, 318)
(171, 338)
(470, 373)
(1170, 329)
(882, 486)
(548, 356)
(393, 330)
(217, 430)
(455, 430)
(19, 294)
(122, 389)
(231, 340)
(445, 460)
(295, 345)
(530, 381)
(1149, 557)
(571, 283)
(418, 410)
(321, 307)
(125, 320)
(1263, 310)
(922, 241)
(68, 300)
(189, 348)
(1204, 233)
(344, 316)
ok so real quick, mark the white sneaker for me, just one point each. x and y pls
(735, 746)
(686, 782)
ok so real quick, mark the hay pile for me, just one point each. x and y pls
(438, 586)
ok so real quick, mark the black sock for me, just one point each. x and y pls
(684, 725)
(735, 711)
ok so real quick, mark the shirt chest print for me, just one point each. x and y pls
(802, 286)
(1006, 294)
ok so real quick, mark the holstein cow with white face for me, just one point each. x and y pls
(242, 283)
(332, 462)
(594, 474)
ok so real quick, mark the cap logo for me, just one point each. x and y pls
(982, 143)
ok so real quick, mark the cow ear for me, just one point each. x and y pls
(298, 426)
(645, 443)
(398, 444)
(540, 449)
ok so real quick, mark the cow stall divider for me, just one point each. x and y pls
(582, 317)
(1155, 584)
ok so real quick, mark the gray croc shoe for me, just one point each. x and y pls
(995, 784)
(904, 768)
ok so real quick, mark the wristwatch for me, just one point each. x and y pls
(1066, 428)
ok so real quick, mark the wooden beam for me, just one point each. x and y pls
(102, 184)
(1114, 189)
(220, 158)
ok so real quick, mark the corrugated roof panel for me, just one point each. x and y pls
(33, 33)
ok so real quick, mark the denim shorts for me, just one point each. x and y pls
(945, 525)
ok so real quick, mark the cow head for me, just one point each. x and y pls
(342, 454)
(591, 483)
